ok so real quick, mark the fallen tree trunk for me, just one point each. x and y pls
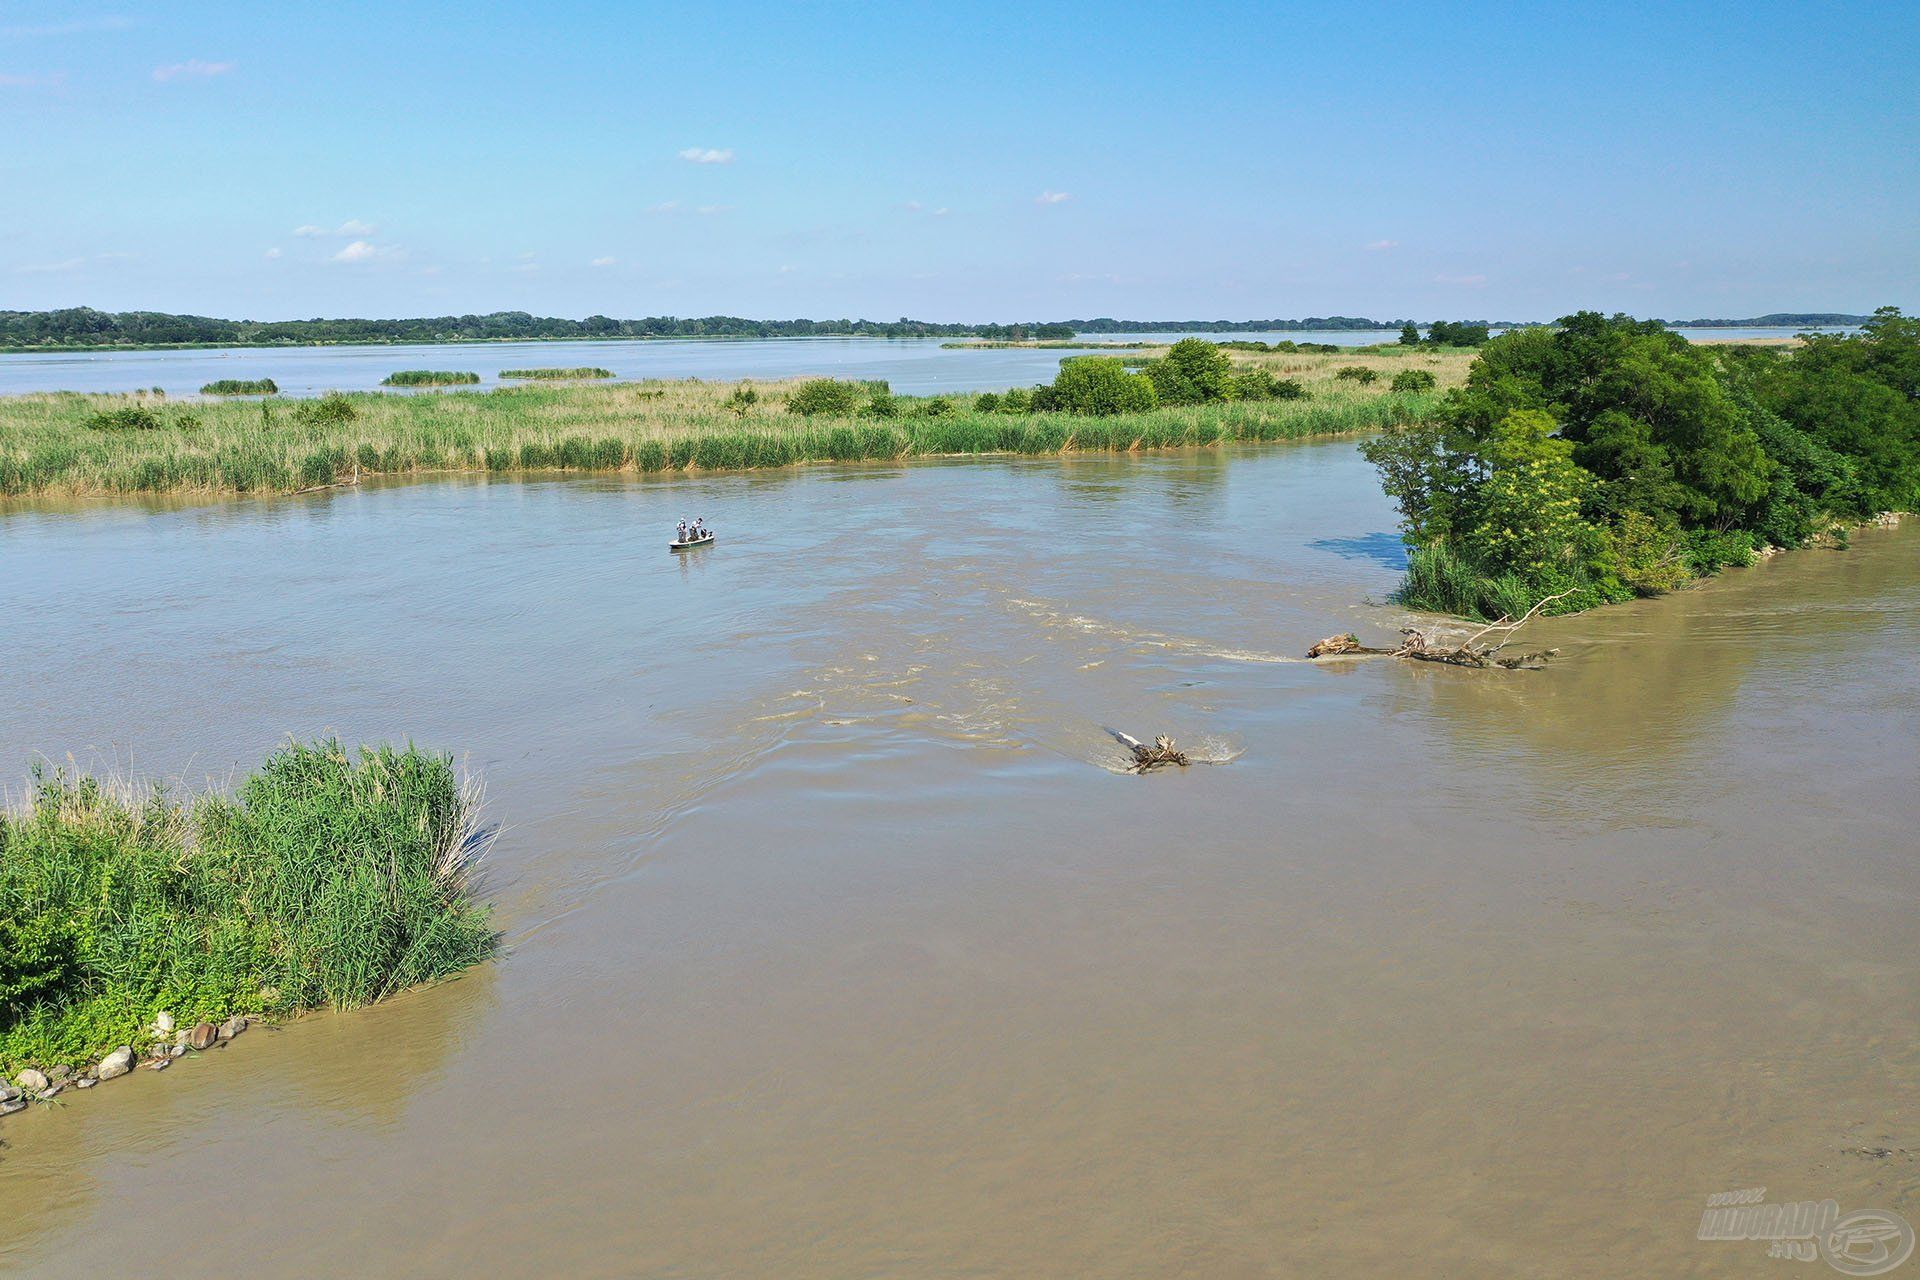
(1480, 649)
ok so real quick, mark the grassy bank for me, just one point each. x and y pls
(65, 444)
(321, 881)
(241, 387)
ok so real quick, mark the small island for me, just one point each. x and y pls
(241, 387)
(430, 378)
(557, 375)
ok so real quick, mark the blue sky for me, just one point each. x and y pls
(962, 162)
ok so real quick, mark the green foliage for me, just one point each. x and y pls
(1193, 371)
(825, 397)
(429, 378)
(987, 402)
(1412, 380)
(1357, 373)
(1097, 385)
(1454, 333)
(240, 387)
(556, 375)
(331, 409)
(938, 407)
(1409, 335)
(1259, 384)
(133, 417)
(1017, 400)
(1609, 457)
(741, 400)
(323, 881)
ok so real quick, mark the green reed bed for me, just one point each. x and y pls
(48, 447)
(557, 375)
(241, 387)
(323, 880)
(430, 378)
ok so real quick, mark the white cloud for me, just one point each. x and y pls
(49, 268)
(605, 262)
(914, 206)
(665, 206)
(34, 80)
(192, 67)
(273, 255)
(1381, 246)
(1052, 197)
(352, 228)
(708, 210)
(708, 155)
(1471, 282)
(359, 251)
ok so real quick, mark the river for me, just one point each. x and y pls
(837, 945)
(913, 366)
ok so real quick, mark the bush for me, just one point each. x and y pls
(1018, 400)
(825, 397)
(987, 402)
(938, 407)
(1258, 384)
(1194, 371)
(133, 417)
(1357, 373)
(240, 387)
(882, 404)
(36, 964)
(1412, 380)
(1096, 385)
(329, 410)
(742, 399)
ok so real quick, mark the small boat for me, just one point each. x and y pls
(690, 542)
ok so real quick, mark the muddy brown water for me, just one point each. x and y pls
(837, 947)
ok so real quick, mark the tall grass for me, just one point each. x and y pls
(557, 375)
(1439, 581)
(429, 378)
(46, 446)
(322, 880)
(241, 387)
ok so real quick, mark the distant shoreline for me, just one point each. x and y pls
(83, 329)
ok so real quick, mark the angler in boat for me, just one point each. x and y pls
(691, 535)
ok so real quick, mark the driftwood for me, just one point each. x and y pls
(1480, 649)
(1146, 758)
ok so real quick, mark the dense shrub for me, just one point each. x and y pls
(429, 378)
(1193, 371)
(1412, 380)
(133, 417)
(987, 402)
(329, 410)
(240, 387)
(1357, 373)
(825, 397)
(1099, 385)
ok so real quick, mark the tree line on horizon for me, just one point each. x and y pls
(87, 327)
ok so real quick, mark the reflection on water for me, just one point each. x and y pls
(837, 946)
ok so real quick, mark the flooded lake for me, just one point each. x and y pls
(838, 946)
(913, 366)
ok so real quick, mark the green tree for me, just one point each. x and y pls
(825, 397)
(1194, 371)
(1412, 380)
(1409, 335)
(1096, 385)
